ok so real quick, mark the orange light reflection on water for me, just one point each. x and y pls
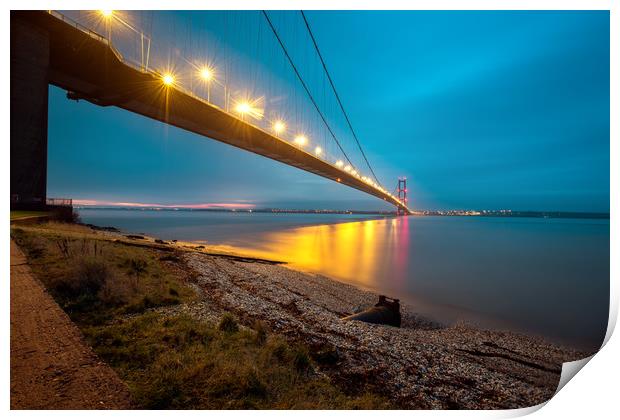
(356, 252)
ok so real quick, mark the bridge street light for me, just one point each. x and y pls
(301, 140)
(250, 107)
(243, 108)
(279, 127)
(207, 75)
(168, 79)
(107, 17)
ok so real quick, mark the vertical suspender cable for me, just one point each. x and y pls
(301, 80)
(336, 94)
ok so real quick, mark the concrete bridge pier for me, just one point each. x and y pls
(30, 53)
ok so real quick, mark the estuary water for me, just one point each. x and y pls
(548, 277)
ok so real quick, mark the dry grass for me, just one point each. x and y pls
(95, 279)
(172, 361)
(176, 362)
(20, 214)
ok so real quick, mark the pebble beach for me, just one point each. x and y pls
(421, 365)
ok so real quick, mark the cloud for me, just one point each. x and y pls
(102, 203)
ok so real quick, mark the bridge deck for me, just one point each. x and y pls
(85, 65)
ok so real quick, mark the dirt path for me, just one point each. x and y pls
(51, 365)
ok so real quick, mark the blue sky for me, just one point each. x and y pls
(477, 109)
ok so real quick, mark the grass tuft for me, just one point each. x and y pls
(228, 323)
(261, 331)
(301, 359)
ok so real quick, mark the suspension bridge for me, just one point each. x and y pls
(112, 58)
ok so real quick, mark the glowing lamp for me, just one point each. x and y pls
(339, 163)
(318, 151)
(206, 74)
(106, 13)
(301, 140)
(279, 127)
(168, 79)
(243, 107)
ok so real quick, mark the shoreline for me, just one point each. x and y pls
(420, 365)
(475, 319)
(308, 306)
(526, 214)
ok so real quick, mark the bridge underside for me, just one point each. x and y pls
(89, 69)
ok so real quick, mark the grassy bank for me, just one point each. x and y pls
(109, 289)
(22, 214)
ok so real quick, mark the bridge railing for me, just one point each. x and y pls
(59, 202)
(223, 99)
(84, 29)
(220, 92)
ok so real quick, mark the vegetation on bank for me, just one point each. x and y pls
(21, 214)
(171, 361)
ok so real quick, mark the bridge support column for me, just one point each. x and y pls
(402, 196)
(29, 97)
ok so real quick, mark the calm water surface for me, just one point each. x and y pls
(548, 277)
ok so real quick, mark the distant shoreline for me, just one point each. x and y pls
(460, 213)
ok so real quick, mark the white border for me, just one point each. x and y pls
(317, 4)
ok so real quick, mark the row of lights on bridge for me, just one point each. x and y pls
(245, 107)
(279, 127)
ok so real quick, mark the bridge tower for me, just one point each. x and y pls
(30, 54)
(402, 195)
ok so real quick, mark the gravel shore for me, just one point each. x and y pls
(420, 365)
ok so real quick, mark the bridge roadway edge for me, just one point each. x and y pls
(88, 68)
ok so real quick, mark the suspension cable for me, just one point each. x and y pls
(316, 47)
(301, 80)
